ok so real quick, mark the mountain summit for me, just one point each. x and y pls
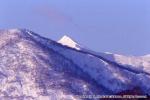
(66, 40)
(36, 68)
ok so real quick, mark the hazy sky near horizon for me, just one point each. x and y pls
(117, 26)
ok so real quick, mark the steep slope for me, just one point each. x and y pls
(37, 68)
(126, 71)
(32, 71)
(141, 63)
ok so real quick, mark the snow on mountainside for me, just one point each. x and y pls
(65, 40)
(133, 62)
(36, 68)
(136, 65)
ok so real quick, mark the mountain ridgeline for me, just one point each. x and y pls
(36, 68)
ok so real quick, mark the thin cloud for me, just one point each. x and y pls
(58, 17)
(54, 15)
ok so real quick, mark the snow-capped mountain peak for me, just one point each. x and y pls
(36, 68)
(66, 40)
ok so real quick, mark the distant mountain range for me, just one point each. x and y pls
(36, 68)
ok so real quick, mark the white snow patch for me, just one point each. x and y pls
(65, 40)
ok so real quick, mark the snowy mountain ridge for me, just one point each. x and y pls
(36, 68)
(138, 61)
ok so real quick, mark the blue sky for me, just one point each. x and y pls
(118, 26)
